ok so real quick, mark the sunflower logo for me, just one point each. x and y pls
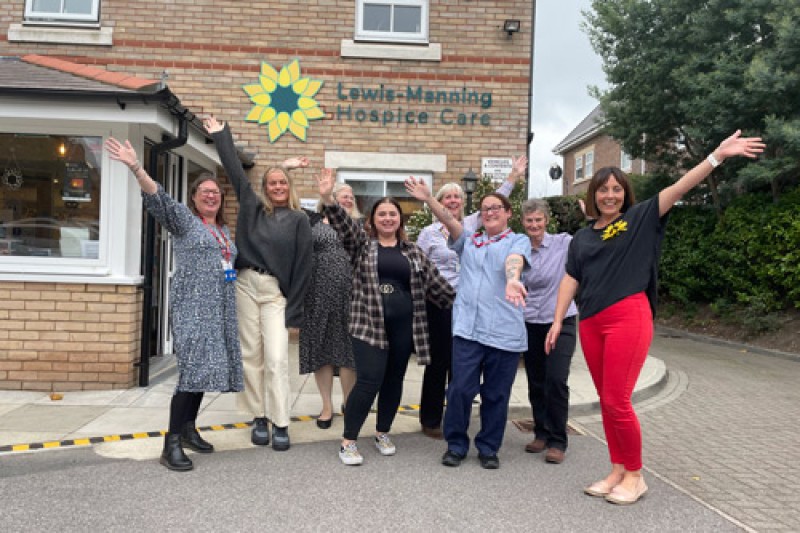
(283, 101)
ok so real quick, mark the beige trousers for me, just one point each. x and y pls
(261, 310)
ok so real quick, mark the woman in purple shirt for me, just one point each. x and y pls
(548, 391)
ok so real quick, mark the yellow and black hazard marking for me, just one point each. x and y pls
(88, 441)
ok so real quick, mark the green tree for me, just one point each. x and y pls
(684, 74)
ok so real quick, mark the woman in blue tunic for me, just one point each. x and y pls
(488, 323)
(202, 301)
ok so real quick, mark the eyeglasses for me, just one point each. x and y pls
(491, 209)
(209, 192)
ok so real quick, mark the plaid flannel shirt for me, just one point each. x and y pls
(366, 304)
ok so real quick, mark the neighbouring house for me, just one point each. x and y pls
(587, 148)
(377, 90)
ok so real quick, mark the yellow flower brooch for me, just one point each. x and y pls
(612, 230)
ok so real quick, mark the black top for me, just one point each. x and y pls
(626, 263)
(278, 242)
(393, 267)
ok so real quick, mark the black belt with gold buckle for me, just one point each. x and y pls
(386, 288)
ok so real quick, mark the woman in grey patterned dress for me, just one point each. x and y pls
(325, 346)
(202, 301)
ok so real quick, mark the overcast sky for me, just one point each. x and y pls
(564, 66)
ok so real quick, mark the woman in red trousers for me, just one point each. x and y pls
(614, 261)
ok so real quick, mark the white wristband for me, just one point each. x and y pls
(713, 161)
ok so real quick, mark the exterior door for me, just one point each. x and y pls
(174, 185)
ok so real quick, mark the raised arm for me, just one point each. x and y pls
(735, 145)
(124, 153)
(419, 190)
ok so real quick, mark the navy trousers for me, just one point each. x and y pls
(499, 367)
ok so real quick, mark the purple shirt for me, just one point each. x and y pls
(544, 277)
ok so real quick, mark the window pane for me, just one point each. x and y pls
(366, 193)
(49, 195)
(377, 17)
(407, 19)
(78, 7)
(47, 6)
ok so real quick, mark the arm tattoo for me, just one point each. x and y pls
(513, 268)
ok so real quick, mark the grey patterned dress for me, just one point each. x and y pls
(202, 303)
(324, 337)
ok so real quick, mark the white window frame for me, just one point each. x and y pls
(84, 266)
(70, 18)
(588, 165)
(420, 37)
(383, 176)
(579, 174)
(625, 161)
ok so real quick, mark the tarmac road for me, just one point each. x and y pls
(308, 489)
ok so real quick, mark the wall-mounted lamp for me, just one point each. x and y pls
(511, 26)
(470, 183)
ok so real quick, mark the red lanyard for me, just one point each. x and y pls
(224, 244)
(489, 240)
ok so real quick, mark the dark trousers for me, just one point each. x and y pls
(380, 372)
(548, 390)
(434, 382)
(499, 368)
(183, 409)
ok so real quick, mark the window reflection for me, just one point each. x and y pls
(49, 195)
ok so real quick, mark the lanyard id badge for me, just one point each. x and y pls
(230, 273)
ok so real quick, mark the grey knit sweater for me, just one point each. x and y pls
(278, 242)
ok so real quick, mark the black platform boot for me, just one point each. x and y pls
(191, 439)
(173, 457)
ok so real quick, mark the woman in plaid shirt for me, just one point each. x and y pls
(392, 279)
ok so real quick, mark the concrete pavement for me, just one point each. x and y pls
(125, 423)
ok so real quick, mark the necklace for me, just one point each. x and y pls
(489, 240)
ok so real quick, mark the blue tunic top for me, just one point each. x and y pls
(202, 303)
(481, 312)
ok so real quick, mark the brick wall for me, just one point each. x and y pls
(65, 337)
(210, 48)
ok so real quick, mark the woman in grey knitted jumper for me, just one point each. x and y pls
(274, 268)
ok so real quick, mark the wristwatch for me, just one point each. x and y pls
(713, 161)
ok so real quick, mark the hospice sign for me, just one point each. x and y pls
(385, 105)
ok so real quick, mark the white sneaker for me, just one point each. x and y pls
(384, 444)
(349, 455)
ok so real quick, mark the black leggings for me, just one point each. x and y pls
(183, 409)
(380, 372)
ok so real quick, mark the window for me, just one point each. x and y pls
(392, 20)
(78, 11)
(625, 161)
(50, 195)
(579, 167)
(371, 186)
(588, 165)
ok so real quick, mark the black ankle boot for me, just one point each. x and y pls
(173, 457)
(191, 438)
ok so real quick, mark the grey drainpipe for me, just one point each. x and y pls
(530, 102)
(149, 240)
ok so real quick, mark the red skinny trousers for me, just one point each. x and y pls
(615, 343)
